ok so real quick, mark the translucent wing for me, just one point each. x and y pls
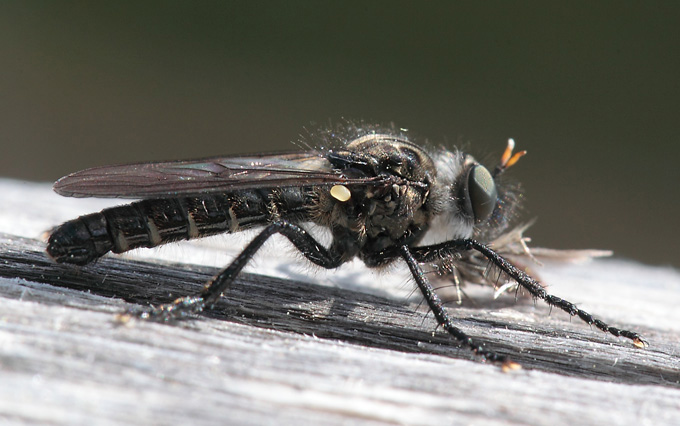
(209, 175)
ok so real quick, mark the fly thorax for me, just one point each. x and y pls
(398, 212)
(376, 218)
(391, 207)
(379, 155)
(395, 213)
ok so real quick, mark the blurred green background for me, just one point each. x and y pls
(590, 89)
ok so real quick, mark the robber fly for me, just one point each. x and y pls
(376, 191)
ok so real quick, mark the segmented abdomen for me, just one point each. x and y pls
(149, 223)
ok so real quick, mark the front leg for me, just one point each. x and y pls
(437, 307)
(214, 288)
(449, 248)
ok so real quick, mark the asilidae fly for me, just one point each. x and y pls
(376, 191)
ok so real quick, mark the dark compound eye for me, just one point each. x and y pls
(482, 191)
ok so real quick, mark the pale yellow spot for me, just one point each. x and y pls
(233, 221)
(154, 235)
(120, 242)
(510, 366)
(340, 193)
(639, 343)
(193, 229)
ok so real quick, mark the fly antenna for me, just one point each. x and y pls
(508, 159)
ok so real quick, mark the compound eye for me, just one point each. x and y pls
(482, 191)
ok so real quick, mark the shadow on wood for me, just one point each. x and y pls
(571, 349)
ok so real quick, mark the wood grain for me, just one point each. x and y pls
(279, 351)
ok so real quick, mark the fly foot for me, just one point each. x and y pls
(178, 309)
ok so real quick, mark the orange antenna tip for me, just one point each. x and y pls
(508, 159)
(515, 158)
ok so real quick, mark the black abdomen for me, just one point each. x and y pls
(149, 223)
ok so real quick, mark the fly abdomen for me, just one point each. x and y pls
(80, 241)
(146, 223)
(149, 223)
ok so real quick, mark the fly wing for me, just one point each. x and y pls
(210, 175)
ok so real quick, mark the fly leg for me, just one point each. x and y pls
(214, 289)
(437, 251)
(437, 307)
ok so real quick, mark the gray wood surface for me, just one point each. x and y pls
(283, 351)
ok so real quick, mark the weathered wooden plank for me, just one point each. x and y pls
(283, 351)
